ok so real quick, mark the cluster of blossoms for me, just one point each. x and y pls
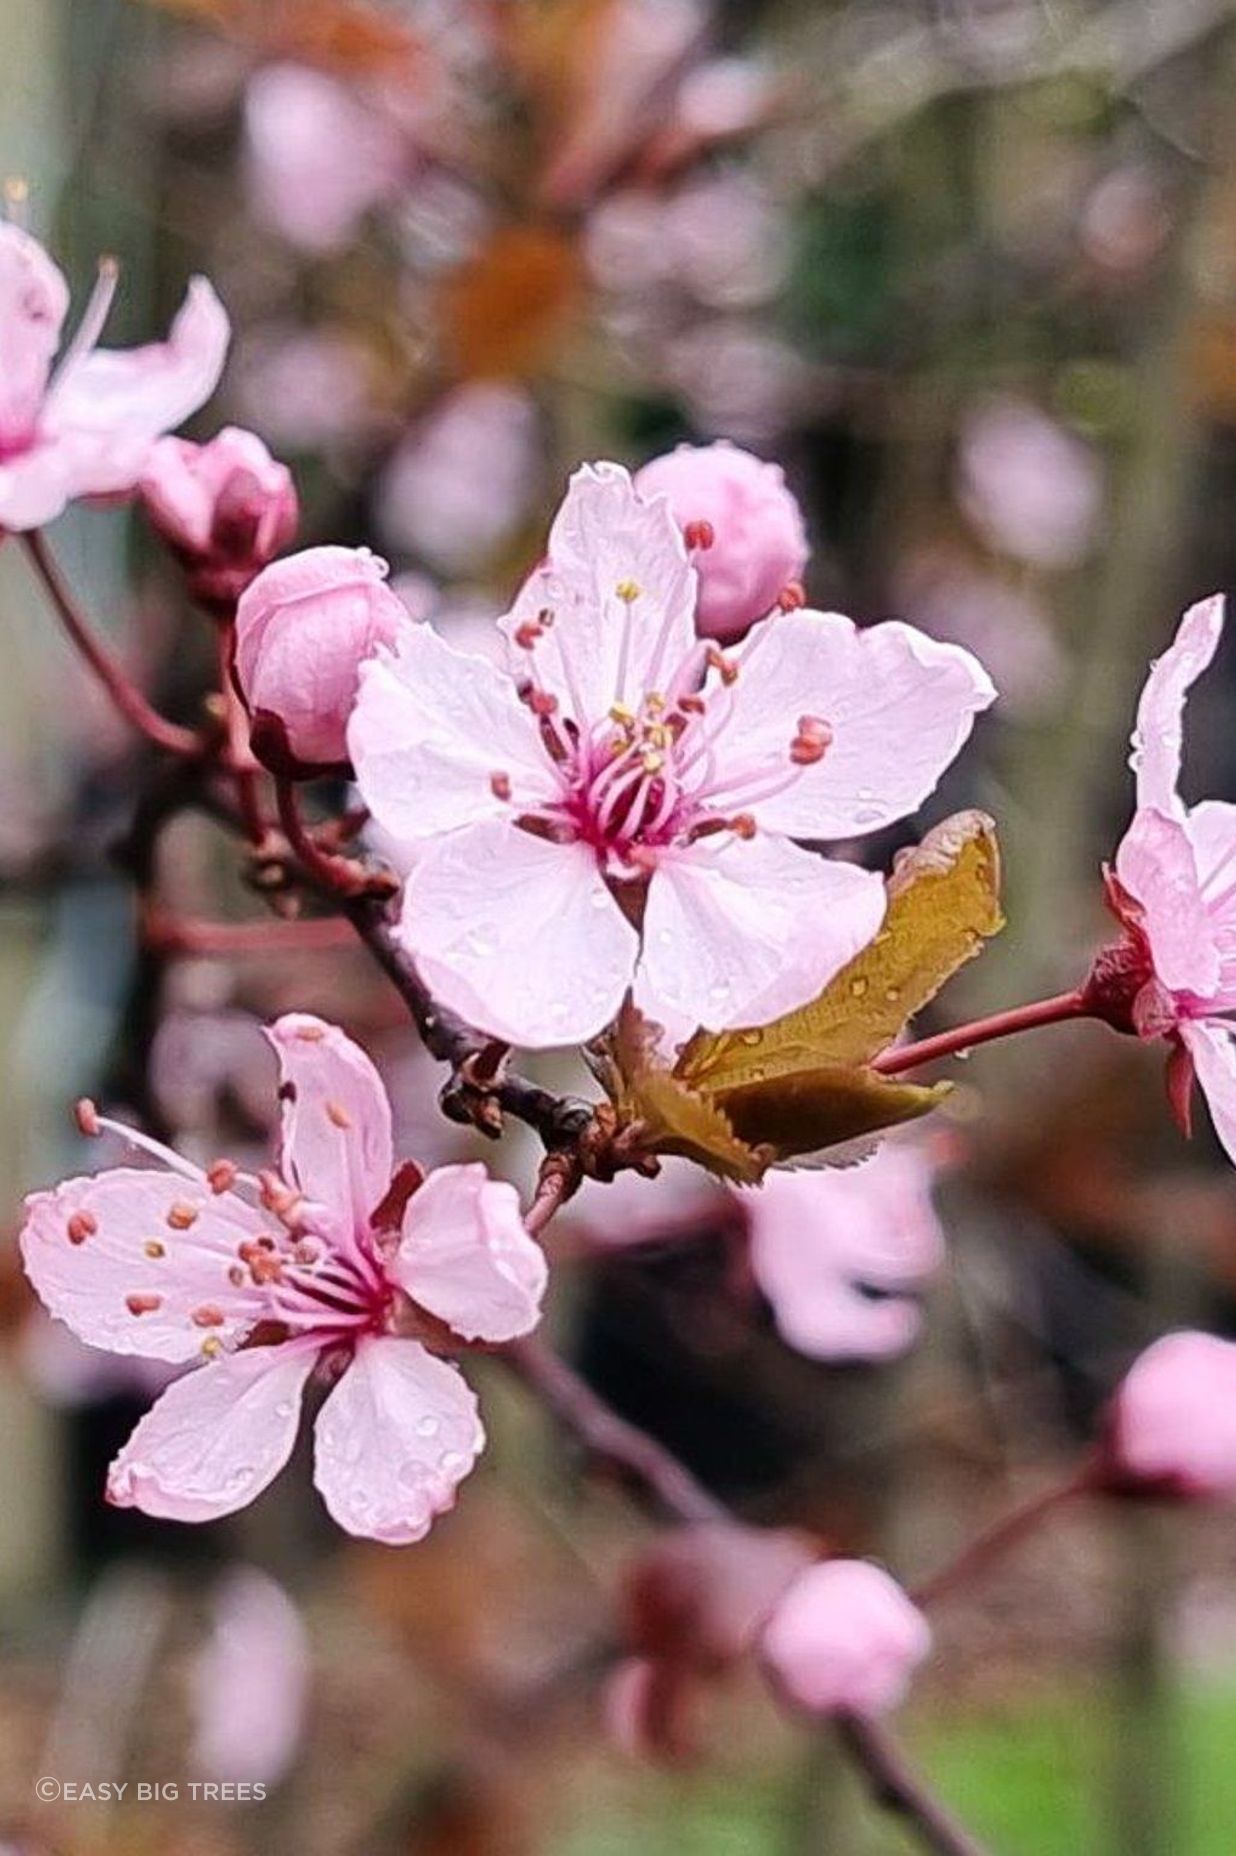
(624, 801)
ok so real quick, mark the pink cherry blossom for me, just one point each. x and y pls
(845, 1639)
(303, 629)
(332, 1266)
(249, 1685)
(318, 156)
(1031, 488)
(226, 508)
(1174, 890)
(622, 808)
(743, 528)
(87, 428)
(821, 1240)
(1173, 1428)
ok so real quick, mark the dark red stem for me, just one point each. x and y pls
(126, 698)
(898, 1789)
(1053, 1011)
(996, 1540)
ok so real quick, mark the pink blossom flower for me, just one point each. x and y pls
(1031, 488)
(226, 508)
(1173, 1420)
(303, 628)
(844, 1639)
(87, 428)
(318, 156)
(743, 528)
(429, 501)
(821, 1241)
(250, 1684)
(621, 809)
(328, 1267)
(1174, 891)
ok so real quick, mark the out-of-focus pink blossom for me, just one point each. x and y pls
(719, 239)
(309, 389)
(318, 156)
(1005, 626)
(1174, 891)
(1125, 220)
(738, 379)
(303, 629)
(1173, 1420)
(249, 1686)
(742, 526)
(722, 97)
(333, 1265)
(431, 500)
(691, 1610)
(631, 1210)
(226, 508)
(1032, 490)
(844, 1639)
(625, 757)
(842, 1254)
(68, 1373)
(87, 429)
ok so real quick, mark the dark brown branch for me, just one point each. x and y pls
(638, 1458)
(898, 1789)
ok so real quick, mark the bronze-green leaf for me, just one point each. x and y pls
(943, 903)
(812, 1110)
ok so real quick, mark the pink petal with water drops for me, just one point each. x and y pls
(1155, 863)
(465, 1256)
(393, 1441)
(111, 405)
(1214, 1055)
(518, 934)
(738, 931)
(440, 739)
(216, 1438)
(138, 1262)
(621, 593)
(1159, 735)
(895, 709)
(335, 1140)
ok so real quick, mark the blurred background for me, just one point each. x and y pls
(967, 269)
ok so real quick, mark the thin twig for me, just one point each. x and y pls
(898, 1789)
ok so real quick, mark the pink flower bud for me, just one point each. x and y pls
(303, 629)
(226, 508)
(844, 1639)
(757, 542)
(1173, 1420)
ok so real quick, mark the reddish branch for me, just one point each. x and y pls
(897, 1788)
(124, 694)
(964, 1038)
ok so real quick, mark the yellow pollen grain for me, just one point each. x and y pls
(621, 714)
(212, 1346)
(653, 763)
(628, 591)
(654, 702)
(154, 1248)
(338, 1114)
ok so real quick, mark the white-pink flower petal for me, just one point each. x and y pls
(335, 1141)
(1156, 864)
(393, 1441)
(1158, 736)
(738, 931)
(897, 706)
(138, 1261)
(215, 1438)
(1209, 1043)
(465, 1256)
(518, 934)
(440, 739)
(620, 591)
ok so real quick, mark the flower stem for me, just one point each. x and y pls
(1064, 1005)
(244, 768)
(337, 876)
(1009, 1531)
(898, 1789)
(190, 936)
(125, 696)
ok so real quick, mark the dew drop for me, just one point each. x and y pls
(859, 987)
(427, 1427)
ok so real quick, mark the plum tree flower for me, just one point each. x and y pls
(840, 1254)
(87, 428)
(328, 1267)
(622, 809)
(1174, 891)
(225, 508)
(1173, 1420)
(844, 1639)
(302, 630)
(743, 527)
